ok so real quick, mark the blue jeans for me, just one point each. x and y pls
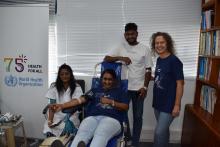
(101, 128)
(138, 106)
(162, 132)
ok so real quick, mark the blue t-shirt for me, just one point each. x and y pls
(95, 107)
(168, 71)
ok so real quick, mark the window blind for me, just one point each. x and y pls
(82, 32)
(52, 3)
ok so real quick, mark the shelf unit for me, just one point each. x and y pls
(201, 124)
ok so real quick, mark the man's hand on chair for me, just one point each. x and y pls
(127, 60)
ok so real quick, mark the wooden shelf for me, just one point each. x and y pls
(210, 30)
(206, 118)
(200, 127)
(208, 83)
(210, 56)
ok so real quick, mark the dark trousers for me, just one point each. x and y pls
(137, 105)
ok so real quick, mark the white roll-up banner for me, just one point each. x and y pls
(24, 63)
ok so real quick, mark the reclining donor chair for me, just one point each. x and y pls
(119, 140)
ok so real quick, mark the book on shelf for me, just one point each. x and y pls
(204, 68)
(203, 21)
(202, 43)
(209, 68)
(217, 43)
(210, 43)
(208, 98)
(201, 68)
(207, 21)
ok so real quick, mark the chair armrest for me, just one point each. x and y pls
(45, 109)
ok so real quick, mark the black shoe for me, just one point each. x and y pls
(81, 144)
(57, 143)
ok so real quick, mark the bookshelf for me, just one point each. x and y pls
(201, 124)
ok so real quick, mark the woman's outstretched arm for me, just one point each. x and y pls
(72, 103)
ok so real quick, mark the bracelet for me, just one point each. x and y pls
(113, 103)
(145, 88)
(79, 101)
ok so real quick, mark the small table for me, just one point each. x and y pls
(9, 128)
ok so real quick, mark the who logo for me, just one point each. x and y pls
(11, 81)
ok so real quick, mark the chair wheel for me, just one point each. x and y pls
(57, 143)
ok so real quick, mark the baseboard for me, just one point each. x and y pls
(148, 135)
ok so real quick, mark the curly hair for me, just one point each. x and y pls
(167, 37)
(59, 84)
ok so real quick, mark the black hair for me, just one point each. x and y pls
(130, 26)
(59, 84)
(111, 72)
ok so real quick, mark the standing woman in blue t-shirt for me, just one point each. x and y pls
(168, 86)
